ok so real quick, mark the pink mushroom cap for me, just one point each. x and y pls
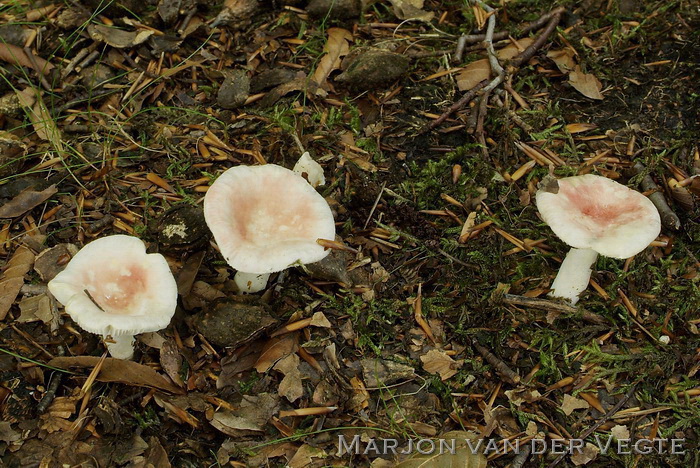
(267, 218)
(128, 291)
(594, 212)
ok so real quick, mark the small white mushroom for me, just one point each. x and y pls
(266, 219)
(310, 170)
(113, 288)
(595, 215)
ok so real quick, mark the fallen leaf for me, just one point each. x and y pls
(12, 278)
(379, 372)
(305, 455)
(580, 127)
(117, 37)
(250, 418)
(463, 456)
(586, 84)
(171, 361)
(320, 320)
(17, 56)
(119, 370)
(35, 308)
(337, 46)
(620, 432)
(473, 74)
(42, 120)
(480, 70)
(290, 387)
(25, 201)
(411, 9)
(276, 349)
(439, 362)
(570, 404)
(563, 59)
(586, 455)
(521, 395)
(156, 456)
(7, 434)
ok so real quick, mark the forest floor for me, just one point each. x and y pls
(430, 318)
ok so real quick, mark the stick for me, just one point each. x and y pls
(538, 23)
(527, 54)
(468, 96)
(545, 304)
(668, 218)
(600, 422)
(500, 366)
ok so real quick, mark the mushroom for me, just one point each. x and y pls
(113, 288)
(266, 219)
(594, 215)
(310, 170)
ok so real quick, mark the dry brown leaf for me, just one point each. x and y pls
(319, 320)
(411, 9)
(305, 455)
(580, 127)
(290, 386)
(586, 455)
(17, 56)
(119, 370)
(563, 58)
(276, 349)
(439, 362)
(464, 455)
(570, 404)
(117, 37)
(620, 432)
(34, 308)
(586, 84)
(473, 74)
(514, 48)
(12, 278)
(42, 120)
(250, 418)
(337, 46)
(171, 361)
(25, 201)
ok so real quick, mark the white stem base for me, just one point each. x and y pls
(574, 274)
(249, 283)
(122, 348)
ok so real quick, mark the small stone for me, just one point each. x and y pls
(51, 262)
(368, 68)
(13, 34)
(334, 9)
(233, 321)
(234, 90)
(182, 227)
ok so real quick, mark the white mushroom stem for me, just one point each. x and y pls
(574, 274)
(248, 283)
(120, 346)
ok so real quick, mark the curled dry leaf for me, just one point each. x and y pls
(464, 456)
(250, 418)
(337, 46)
(117, 37)
(439, 362)
(119, 370)
(586, 84)
(563, 58)
(12, 278)
(580, 127)
(276, 349)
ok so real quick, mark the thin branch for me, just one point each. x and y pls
(538, 23)
(528, 53)
(466, 99)
(669, 219)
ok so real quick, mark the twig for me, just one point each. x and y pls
(520, 459)
(527, 54)
(459, 51)
(464, 100)
(500, 366)
(599, 423)
(668, 218)
(538, 23)
(545, 304)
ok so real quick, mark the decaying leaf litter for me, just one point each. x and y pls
(434, 122)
